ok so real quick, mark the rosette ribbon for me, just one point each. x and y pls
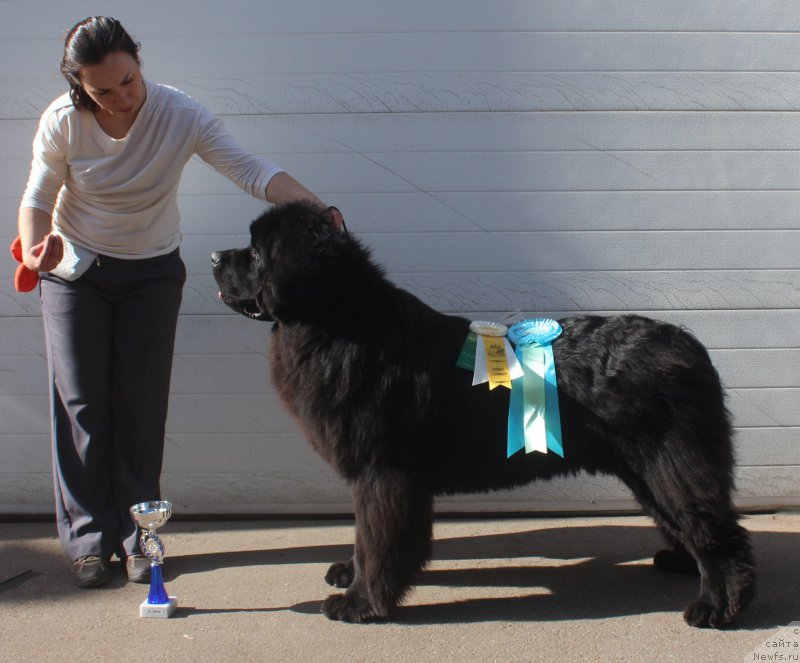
(489, 355)
(534, 418)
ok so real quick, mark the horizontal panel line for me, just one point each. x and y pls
(565, 272)
(765, 428)
(763, 389)
(548, 151)
(488, 31)
(443, 31)
(614, 231)
(520, 111)
(536, 232)
(501, 112)
(431, 192)
(565, 191)
(654, 312)
(460, 72)
(467, 232)
(417, 192)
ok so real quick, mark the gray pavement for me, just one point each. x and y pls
(505, 590)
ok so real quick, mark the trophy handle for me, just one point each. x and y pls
(152, 547)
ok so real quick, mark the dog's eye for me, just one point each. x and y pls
(255, 256)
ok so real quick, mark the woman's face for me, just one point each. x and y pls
(115, 84)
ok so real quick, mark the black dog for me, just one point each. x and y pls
(369, 372)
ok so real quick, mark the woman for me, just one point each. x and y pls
(99, 221)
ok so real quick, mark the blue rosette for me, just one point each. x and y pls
(534, 418)
(537, 330)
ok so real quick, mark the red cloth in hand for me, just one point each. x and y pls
(25, 279)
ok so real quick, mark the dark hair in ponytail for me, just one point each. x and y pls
(87, 43)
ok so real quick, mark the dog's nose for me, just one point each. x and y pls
(216, 258)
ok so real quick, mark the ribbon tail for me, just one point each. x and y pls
(534, 399)
(496, 362)
(480, 374)
(514, 364)
(552, 411)
(466, 358)
(516, 435)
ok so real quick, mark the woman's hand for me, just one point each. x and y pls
(45, 255)
(284, 188)
(337, 218)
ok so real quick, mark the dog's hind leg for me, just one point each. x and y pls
(690, 501)
(727, 578)
(394, 522)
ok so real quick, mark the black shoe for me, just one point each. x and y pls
(90, 571)
(138, 568)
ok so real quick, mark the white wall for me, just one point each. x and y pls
(499, 157)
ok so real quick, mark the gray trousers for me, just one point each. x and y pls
(110, 337)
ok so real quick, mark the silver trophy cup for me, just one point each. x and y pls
(149, 516)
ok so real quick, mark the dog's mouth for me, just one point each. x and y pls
(246, 307)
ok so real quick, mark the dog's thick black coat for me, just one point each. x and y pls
(369, 371)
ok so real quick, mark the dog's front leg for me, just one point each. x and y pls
(341, 574)
(394, 518)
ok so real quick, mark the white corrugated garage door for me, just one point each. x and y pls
(512, 156)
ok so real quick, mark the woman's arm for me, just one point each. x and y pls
(283, 188)
(42, 249)
(223, 152)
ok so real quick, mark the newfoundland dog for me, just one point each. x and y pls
(369, 372)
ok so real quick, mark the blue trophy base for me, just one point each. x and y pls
(158, 603)
(158, 610)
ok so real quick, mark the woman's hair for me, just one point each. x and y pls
(87, 43)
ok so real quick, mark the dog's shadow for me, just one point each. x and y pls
(577, 573)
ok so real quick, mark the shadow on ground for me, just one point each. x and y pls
(591, 575)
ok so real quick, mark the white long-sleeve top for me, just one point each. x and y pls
(118, 197)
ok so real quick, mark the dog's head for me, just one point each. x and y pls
(296, 265)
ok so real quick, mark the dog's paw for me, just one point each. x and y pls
(702, 614)
(349, 608)
(340, 574)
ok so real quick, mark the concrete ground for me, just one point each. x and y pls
(505, 590)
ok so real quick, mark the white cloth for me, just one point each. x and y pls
(118, 197)
(75, 262)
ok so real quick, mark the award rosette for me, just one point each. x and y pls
(534, 419)
(149, 516)
(489, 355)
